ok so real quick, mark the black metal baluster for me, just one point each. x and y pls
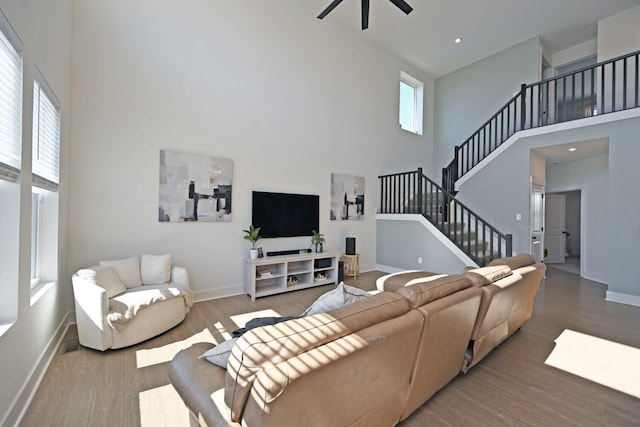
(624, 84)
(602, 78)
(613, 87)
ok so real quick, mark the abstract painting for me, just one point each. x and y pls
(194, 187)
(347, 197)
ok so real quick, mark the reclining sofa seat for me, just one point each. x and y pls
(508, 286)
(351, 366)
(449, 306)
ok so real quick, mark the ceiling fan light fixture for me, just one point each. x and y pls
(400, 4)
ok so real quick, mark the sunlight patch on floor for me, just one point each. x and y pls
(162, 406)
(242, 319)
(604, 362)
(165, 353)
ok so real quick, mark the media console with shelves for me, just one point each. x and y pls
(285, 273)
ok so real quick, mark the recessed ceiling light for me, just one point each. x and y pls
(572, 149)
(458, 40)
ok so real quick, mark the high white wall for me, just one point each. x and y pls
(468, 97)
(44, 28)
(618, 34)
(289, 98)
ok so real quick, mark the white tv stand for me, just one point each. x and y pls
(273, 275)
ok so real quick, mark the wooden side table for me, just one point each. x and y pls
(351, 265)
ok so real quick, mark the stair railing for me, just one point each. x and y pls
(606, 87)
(414, 193)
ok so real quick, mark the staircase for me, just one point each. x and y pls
(415, 193)
(606, 87)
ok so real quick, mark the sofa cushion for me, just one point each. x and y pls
(124, 307)
(486, 275)
(128, 269)
(394, 281)
(155, 269)
(515, 262)
(219, 355)
(425, 292)
(341, 295)
(105, 277)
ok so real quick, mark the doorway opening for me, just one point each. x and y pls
(563, 230)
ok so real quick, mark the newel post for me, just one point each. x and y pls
(509, 243)
(523, 106)
(419, 177)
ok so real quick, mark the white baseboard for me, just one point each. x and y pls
(22, 401)
(389, 269)
(623, 298)
(228, 291)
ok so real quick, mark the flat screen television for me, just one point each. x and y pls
(285, 214)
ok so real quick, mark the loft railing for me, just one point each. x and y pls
(415, 193)
(607, 87)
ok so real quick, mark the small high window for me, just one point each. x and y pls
(411, 103)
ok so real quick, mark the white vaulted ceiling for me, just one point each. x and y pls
(426, 37)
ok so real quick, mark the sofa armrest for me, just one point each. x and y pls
(180, 278)
(92, 306)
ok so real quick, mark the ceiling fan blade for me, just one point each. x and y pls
(329, 8)
(402, 5)
(365, 14)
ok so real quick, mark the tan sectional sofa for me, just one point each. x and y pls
(370, 363)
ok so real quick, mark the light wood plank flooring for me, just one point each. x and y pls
(510, 387)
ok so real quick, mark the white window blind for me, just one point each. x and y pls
(10, 103)
(46, 137)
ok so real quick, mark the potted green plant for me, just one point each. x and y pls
(317, 240)
(252, 235)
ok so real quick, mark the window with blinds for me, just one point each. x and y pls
(46, 136)
(10, 103)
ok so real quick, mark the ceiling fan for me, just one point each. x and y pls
(400, 4)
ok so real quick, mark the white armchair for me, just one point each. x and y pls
(121, 303)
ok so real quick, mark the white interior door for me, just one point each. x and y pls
(554, 232)
(537, 222)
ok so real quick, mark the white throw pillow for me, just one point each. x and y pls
(128, 269)
(105, 277)
(156, 269)
(341, 295)
(326, 302)
(353, 294)
(219, 355)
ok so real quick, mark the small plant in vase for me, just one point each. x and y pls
(317, 240)
(252, 235)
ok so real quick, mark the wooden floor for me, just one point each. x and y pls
(510, 387)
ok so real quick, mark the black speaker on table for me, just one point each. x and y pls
(351, 246)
